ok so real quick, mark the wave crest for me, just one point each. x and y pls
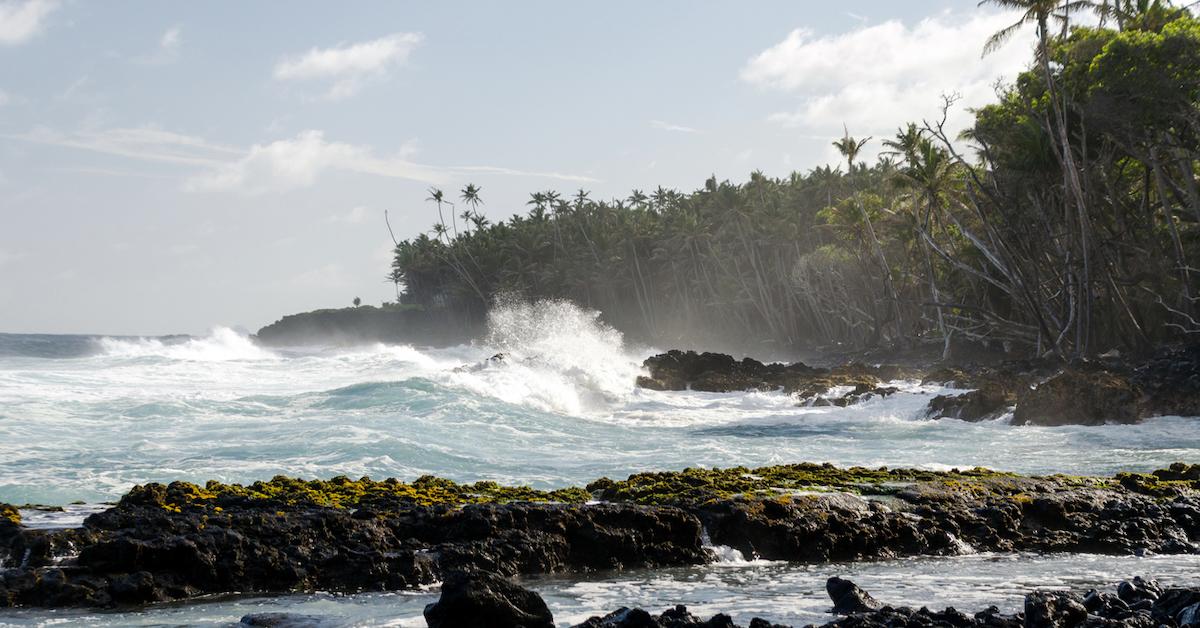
(557, 357)
(222, 344)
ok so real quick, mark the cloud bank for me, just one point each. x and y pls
(21, 21)
(875, 78)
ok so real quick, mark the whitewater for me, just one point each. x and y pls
(84, 418)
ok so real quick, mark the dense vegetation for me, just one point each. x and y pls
(1063, 221)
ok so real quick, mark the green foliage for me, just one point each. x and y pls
(1068, 225)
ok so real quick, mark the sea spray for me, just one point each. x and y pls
(554, 356)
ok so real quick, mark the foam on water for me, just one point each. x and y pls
(221, 345)
(560, 408)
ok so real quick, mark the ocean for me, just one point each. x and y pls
(84, 418)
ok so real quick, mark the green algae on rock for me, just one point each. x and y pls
(706, 485)
(342, 492)
(10, 514)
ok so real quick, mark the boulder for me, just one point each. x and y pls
(718, 372)
(1081, 397)
(848, 598)
(1054, 609)
(984, 404)
(286, 620)
(677, 617)
(484, 600)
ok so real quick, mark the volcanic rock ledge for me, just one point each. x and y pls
(182, 540)
(1039, 392)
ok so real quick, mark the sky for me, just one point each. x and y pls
(170, 167)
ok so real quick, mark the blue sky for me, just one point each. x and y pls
(168, 167)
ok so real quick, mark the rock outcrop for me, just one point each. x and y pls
(1157, 607)
(1081, 397)
(485, 600)
(178, 541)
(718, 372)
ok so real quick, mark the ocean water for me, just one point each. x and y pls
(83, 418)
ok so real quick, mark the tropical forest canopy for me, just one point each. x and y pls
(1065, 220)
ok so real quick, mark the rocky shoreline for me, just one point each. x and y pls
(1113, 389)
(488, 601)
(180, 541)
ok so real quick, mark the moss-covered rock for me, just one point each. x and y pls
(10, 515)
(698, 486)
(342, 492)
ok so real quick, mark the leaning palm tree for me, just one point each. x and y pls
(1040, 12)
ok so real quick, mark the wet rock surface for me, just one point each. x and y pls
(139, 551)
(849, 597)
(486, 600)
(179, 541)
(1137, 603)
(1091, 396)
(1042, 391)
(984, 404)
(717, 372)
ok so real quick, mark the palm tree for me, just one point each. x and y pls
(470, 197)
(850, 147)
(438, 197)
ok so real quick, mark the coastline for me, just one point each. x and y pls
(177, 542)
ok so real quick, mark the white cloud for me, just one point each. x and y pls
(142, 143)
(348, 66)
(277, 166)
(21, 21)
(170, 40)
(289, 164)
(4, 98)
(168, 48)
(676, 128)
(876, 78)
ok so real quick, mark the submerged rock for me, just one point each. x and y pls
(486, 600)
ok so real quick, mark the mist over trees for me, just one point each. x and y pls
(1063, 221)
